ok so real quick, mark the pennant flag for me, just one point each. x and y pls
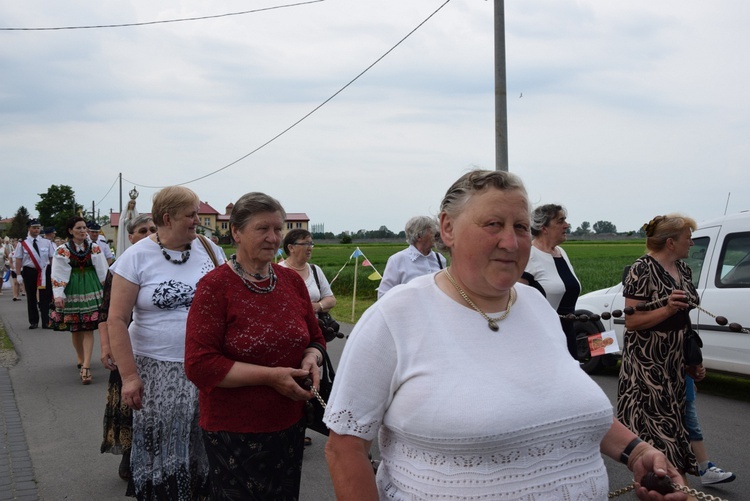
(375, 276)
(366, 263)
(357, 253)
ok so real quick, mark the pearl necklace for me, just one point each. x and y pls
(252, 286)
(304, 267)
(491, 322)
(184, 256)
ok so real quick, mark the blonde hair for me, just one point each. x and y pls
(662, 228)
(171, 200)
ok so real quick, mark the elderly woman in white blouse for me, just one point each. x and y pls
(416, 260)
(502, 426)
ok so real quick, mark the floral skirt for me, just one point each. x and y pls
(83, 296)
(118, 418)
(167, 458)
(255, 466)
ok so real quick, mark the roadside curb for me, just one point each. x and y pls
(17, 480)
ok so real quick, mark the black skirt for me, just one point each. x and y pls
(255, 466)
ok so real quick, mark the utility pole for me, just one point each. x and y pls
(501, 95)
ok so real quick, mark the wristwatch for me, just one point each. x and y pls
(625, 456)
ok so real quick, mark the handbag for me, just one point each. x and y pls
(315, 407)
(328, 325)
(692, 347)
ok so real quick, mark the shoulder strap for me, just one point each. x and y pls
(440, 263)
(315, 274)
(209, 250)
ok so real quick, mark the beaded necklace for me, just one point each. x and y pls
(252, 286)
(184, 256)
(80, 257)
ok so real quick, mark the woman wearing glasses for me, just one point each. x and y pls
(298, 246)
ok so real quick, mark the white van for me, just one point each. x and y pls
(720, 260)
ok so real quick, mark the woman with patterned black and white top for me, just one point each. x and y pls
(472, 400)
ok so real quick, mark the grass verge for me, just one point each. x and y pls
(5, 342)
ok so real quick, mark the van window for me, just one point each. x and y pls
(734, 262)
(697, 257)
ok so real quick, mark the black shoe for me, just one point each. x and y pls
(124, 469)
(33, 326)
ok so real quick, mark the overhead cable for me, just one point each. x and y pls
(274, 138)
(129, 25)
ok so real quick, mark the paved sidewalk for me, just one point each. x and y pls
(16, 472)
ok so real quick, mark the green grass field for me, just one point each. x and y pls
(597, 265)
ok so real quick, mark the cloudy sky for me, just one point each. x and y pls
(628, 109)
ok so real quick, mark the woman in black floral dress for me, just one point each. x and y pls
(651, 389)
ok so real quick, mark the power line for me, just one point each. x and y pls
(110, 189)
(129, 25)
(309, 113)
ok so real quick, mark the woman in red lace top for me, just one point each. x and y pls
(250, 337)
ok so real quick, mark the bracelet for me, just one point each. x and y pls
(625, 456)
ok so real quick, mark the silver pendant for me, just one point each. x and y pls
(493, 325)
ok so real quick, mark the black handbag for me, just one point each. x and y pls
(328, 325)
(692, 347)
(315, 407)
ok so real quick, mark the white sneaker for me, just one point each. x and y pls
(715, 475)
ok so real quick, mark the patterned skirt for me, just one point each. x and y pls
(118, 418)
(651, 394)
(167, 458)
(255, 466)
(83, 296)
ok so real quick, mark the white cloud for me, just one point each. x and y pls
(629, 109)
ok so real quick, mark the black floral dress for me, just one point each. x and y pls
(651, 389)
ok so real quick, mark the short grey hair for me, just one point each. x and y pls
(251, 204)
(417, 226)
(136, 222)
(474, 182)
(543, 216)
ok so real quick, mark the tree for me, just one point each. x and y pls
(103, 220)
(604, 227)
(584, 229)
(57, 206)
(18, 226)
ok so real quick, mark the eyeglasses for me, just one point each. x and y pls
(305, 244)
(143, 231)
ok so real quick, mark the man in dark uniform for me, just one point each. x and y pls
(32, 257)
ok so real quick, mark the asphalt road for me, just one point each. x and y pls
(62, 420)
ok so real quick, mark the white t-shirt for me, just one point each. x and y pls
(312, 287)
(164, 297)
(467, 413)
